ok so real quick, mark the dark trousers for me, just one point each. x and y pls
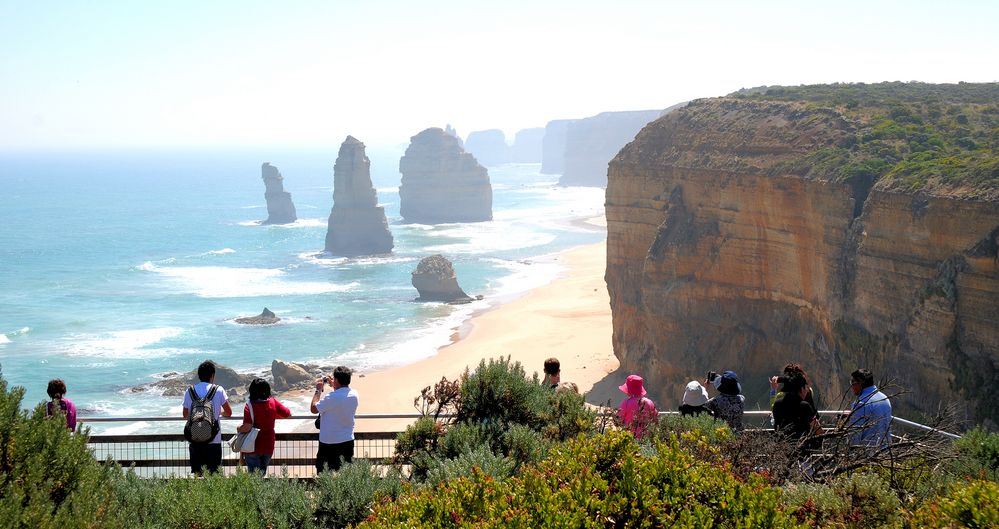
(330, 455)
(205, 456)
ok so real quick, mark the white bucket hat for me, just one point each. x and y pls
(695, 394)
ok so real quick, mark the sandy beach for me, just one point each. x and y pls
(568, 318)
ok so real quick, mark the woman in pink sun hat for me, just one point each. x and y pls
(636, 412)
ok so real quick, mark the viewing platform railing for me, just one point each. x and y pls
(166, 454)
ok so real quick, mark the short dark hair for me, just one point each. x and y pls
(862, 376)
(56, 389)
(552, 366)
(206, 371)
(259, 389)
(792, 369)
(342, 375)
(794, 384)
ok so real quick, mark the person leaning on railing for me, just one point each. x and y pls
(266, 410)
(336, 419)
(871, 413)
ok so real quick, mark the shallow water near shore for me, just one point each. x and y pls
(118, 267)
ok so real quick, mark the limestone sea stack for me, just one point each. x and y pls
(488, 146)
(442, 183)
(357, 224)
(289, 375)
(280, 209)
(553, 146)
(836, 226)
(527, 146)
(435, 280)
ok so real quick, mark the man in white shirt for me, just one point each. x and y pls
(336, 420)
(207, 456)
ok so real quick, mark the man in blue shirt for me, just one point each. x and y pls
(871, 412)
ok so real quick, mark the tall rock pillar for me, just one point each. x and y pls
(280, 209)
(357, 224)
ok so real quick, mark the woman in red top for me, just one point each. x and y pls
(266, 410)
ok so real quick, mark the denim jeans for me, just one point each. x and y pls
(257, 462)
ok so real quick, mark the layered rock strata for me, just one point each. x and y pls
(280, 209)
(357, 224)
(435, 280)
(441, 182)
(591, 143)
(724, 252)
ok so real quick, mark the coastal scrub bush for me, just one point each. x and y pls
(978, 454)
(972, 504)
(862, 500)
(598, 481)
(48, 477)
(480, 460)
(344, 498)
(500, 410)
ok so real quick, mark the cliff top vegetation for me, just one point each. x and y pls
(942, 139)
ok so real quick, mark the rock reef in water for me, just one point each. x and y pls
(435, 280)
(264, 318)
(591, 143)
(442, 183)
(280, 209)
(488, 146)
(729, 247)
(357, 224)
(290, 375)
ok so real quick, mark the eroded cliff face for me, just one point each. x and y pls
(442, 183)
(720, 256)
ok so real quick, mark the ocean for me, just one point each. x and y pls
(116, 266)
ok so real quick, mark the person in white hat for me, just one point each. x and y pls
(694, 397)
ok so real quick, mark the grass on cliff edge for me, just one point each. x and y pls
(942, 139)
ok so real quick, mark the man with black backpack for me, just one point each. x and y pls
(204, 404)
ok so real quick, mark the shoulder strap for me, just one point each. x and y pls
(211, 392)
(194, 397)
(253, 420)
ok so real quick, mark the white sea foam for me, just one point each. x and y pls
(526, 275)
(257, 206)
(487, 237)
(130, 428)
(125, 344)
(227, 282)
(4, 339)
(223, 251)
(300, 223)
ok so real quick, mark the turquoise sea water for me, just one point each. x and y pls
(116, 266)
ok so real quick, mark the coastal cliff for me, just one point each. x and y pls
(837, 226)
(592, 142)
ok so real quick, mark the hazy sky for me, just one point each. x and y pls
(298, 73)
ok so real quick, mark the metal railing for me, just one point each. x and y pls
(166, 454)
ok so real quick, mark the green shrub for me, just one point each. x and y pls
(481, 460)
(816, 504)
(48, 477)
(463, 438)
(973, 504)
(499, 391)
(523, 445)
(346, 497)
(601, 481)
(978, 454)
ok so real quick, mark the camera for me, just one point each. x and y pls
(712, 376)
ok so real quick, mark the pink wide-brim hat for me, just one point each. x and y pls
(633, 386)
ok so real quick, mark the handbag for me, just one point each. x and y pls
(245, 442)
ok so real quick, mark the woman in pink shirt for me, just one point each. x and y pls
(636, 412)
(266, 410)
(57, 392)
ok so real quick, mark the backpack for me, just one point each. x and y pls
(202, 426)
